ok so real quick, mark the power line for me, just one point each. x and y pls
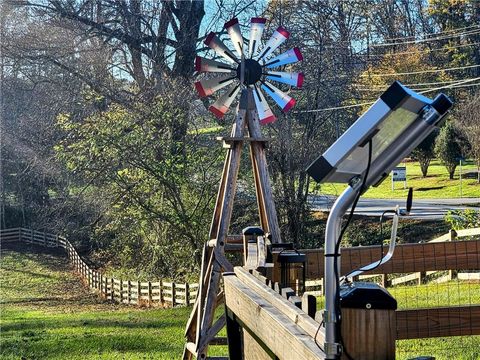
(376, 87)
(420, 51)
(434, 34)
(456, 85)
(443, 37)
(451, 85)
(423, 71)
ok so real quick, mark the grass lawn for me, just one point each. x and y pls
(435, 186)
(46, 313)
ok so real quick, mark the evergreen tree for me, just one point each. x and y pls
(447, 148)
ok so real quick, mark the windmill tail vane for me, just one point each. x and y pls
(248, 67)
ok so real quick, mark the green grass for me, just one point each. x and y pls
(46, 313)
(435, 186)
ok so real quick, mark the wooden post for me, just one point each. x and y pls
(129, 289)
(160, 292)
(112, 289)
(149, 293)
(385, 280)
(139, 292)
(31, 236)
(187, 294)
(173, 294)
(369, 334)
(234, 335)
(121, 291)
(56, 240)
(309, 305)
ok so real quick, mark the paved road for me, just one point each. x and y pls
(426, 209)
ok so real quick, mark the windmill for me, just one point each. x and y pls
(248, 71)
(252, 69)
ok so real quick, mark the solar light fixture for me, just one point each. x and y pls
(293, 266)
(363, 156)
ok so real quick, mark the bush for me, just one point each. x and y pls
(463, 219)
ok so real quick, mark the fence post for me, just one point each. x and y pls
(44, 239)
(112, 289)
(56, 240)
(160, 292)
(187, 294)
(121, 291)
(149, 293)
(173, 294)
(139, 292)
(452, 273)
(384, 280)
(129, 289)
(19, 234)
(31, 236)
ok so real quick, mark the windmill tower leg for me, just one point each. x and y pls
(201, 329)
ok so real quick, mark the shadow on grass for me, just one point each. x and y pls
(32, 324)
(67, 346)
(429, 188)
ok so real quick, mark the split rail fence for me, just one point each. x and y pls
(144, 293)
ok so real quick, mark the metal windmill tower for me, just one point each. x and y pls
(247, 73)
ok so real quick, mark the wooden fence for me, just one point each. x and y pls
(439, 255)
(145, 293)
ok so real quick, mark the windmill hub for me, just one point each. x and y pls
(253, 71)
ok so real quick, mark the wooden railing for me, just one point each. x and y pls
(144, 293)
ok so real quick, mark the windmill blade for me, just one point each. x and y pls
(256, 30)
(277, 39)
(209, 86)
(208, 65)
(288, 57)
(213, 42)
(282, 99)
(293, 79)
(265, 114)
(233, 29)
(221, 106)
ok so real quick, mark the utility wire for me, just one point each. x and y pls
(417, 84)
(451, 86)
(421, 51)
(423, 71)
(443, 37)
(434, 34)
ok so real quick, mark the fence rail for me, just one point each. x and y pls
(143, 293)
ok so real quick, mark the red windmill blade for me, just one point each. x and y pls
(209, 65)
(209, 86)
(233, 29)
(292, 79)
(213, 42)
(221, 106)
(277, 39)
(265, 114)
(256, 30)
(283, 100)
(289, 57)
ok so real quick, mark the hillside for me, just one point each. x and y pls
(46, 313)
